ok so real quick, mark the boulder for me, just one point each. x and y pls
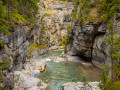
(25, 82)
(35, 64)
(34, 72)
(81, 86)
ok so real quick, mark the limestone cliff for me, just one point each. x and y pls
(87, 40)
(56, 15)
(15, 48)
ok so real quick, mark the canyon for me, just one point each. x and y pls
(29, 47)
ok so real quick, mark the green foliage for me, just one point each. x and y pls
(4, 25)
(64, 40)
(17, 11)
(82, 14)
(105, 8)
(105, 80)
(43, 29)
(4, 64)
(1, 43)
(68, 29)
(114, 55)
(15, 16)
(108, 8)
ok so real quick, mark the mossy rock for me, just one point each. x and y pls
(63, 42)
(34, 47)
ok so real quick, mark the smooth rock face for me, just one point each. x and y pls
(87, 41)
(81, 40)
(25, 82)
(99, 48)
(81, 86)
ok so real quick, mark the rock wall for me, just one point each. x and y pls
(56, 15)
(15, 49)
(16, 44)
(88, 40)
(82, 37)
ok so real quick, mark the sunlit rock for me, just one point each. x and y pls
(81, 86)
(35, 64)
(25, 82)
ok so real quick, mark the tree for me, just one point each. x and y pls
(111, 74)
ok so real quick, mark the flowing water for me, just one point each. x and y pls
(58, 73)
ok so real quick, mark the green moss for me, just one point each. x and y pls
(34, 47)
(1, 43)
(113, 86)
(48, 12)
(4, 64)
(63, 42)
(68, 28)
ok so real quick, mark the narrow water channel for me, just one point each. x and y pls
(58, 73)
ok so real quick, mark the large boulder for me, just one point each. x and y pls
(25, 82)
(81, 86)
(35, 64)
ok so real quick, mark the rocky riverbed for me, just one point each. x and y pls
(25, 79)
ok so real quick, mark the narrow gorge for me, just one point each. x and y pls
(66, 47)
